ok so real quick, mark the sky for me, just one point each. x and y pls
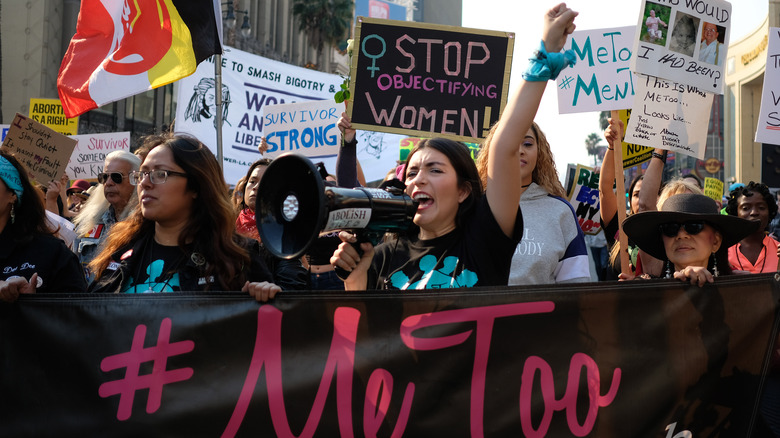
(567, 132)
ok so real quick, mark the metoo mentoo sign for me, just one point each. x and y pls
(428, 81)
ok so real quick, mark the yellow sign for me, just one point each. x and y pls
(49, 112)
(713, 188)
(633, 154)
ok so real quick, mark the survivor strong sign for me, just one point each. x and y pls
(440, 81)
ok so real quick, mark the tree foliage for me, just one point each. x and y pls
(326, 22)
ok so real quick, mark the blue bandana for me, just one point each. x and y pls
(10, 177)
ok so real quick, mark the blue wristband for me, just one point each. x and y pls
(544, 66)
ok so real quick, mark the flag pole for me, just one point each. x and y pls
(218, 98)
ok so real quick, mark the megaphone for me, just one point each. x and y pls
(294, 206)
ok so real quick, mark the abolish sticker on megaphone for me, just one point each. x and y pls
(348, 218)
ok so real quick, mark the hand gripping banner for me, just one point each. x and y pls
(631, 359)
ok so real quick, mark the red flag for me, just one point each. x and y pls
(122, 48)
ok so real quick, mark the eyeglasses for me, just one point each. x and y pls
(115, 176)
(155, 176)
(671, 229)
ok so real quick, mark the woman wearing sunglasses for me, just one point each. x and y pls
(113, 201)
(690, 235)
(182, 238)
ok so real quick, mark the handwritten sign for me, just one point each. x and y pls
(670, 115)
(49, 112)
(43, 151)
(713, 188)
(427, 80)
(633, 154)
(307, 128)
(91, 150)
(768, 129)
(684, 41)
(601, 79)
(584, 197)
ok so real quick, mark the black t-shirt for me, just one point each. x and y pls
(57, 266)
(323, 247)
(476, 254)
(157, 269)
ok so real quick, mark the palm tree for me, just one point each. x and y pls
(604, 119)
(591, 145)
(324, 21)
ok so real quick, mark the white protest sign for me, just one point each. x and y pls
(669, 115)
(601, 79)
(306, 128)
(91, 150)
(684, 41)
(768, 129)
(249, 83)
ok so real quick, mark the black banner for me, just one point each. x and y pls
(630, 359)
(428, 80)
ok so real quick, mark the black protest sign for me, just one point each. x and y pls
(569, 360)
(426, 80)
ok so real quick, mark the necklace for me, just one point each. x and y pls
(527, 185)
(739, 259)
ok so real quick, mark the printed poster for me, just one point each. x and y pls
(684, 41)
(768, 129)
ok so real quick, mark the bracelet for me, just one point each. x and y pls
(610, 148)
(544, 66)
(661, 157)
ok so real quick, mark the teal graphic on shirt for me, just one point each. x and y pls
(155, 281)
(436, 278)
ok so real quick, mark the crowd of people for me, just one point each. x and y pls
(162, 219)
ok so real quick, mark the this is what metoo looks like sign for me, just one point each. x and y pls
(425, 80)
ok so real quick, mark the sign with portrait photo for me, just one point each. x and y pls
(684, 41)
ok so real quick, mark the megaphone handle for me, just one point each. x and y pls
(343, 273)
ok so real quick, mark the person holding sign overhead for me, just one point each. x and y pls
(552, 250)
(463, 237)
(31, 258)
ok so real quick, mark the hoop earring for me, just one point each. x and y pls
(13, 213)
(668, 272)
(714, 265)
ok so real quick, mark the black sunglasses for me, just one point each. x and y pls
(671, 229)
(115, 176)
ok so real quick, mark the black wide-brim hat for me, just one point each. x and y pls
(643, 228)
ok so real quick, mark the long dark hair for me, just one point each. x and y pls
(468, 176)
(30, 214)
(211, 224)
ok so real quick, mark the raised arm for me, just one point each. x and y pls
(607, 197)
(651, 183)
(503, 172)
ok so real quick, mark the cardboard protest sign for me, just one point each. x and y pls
(633, 154)
(427, 80)
(601, 79)
(768, 129)
(306, 128)
(49, 112)
(584, 197)
(670, 115)
(91, 150)
(684, 41)
(40, 149)
(713, 188)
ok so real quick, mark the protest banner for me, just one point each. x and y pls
(40, 149)
(4, 131)
(601, 79)
(49, 112)
(306, 128)
(670, 115)
(713, 188)
(768, 129)
(684, 41)
(427, 80)
(633, 154)
(381, 364)
(584, 197)
(409, 143)
(249, 83)
(91, 150)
